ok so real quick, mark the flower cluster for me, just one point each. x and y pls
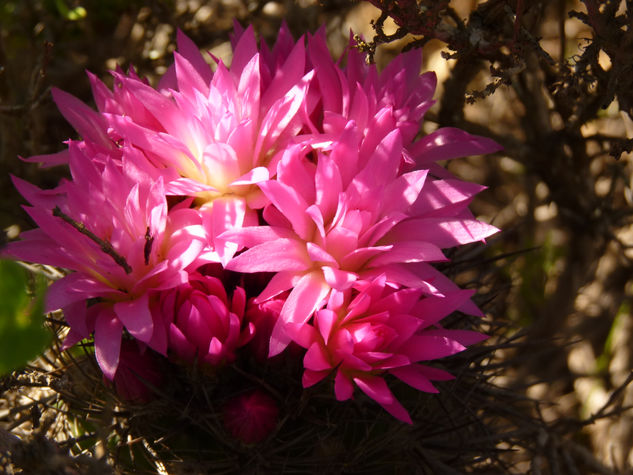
(306, 180)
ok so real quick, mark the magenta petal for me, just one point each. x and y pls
(180, 345)
(343, 387)
(136, 317)
(376, 388)
(325, 320)
(414, 377)
(108, 330)
(71, 339)
(190, 51)
(315, 359)
(464, 337)
(86, 121)
(429, 347)
(310, 378)
(448, 143)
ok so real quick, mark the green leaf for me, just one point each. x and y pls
(22, 332)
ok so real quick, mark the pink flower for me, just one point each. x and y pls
(110, 225)
(371, 330)
(351, 216)
(211, 135)
(251, 417)
(138, 368)
(203, 325)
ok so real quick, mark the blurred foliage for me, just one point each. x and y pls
(22, 332)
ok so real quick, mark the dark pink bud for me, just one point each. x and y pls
(138, 368)
(251, 417)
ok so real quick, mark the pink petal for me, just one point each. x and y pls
(409, 251)
(430, 347)
(225, 213)
(338, 279)
(325, 320)
(279, 255)
(190, 51)
(414, 377)
(136, 317)
(243, 51)
(376, 388)
(251, 236)
(464, 337)
(343, 387)
(310, 378)
(88, 123)
(306, 297)
(108, 330)
(443, 232)
(189, 80)
(73, 288)
(291, 204)
(315, 359)
(448, 143)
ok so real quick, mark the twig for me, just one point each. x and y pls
(104, 245)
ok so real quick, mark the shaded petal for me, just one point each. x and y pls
(376, 388)
(136, 317)
(108, 330)
(415, 377)
(448, 143)
(343, 387)
(430, 347)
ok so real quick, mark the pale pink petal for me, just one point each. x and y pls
(253, 176)
(279, 255)
(225, 213)
(443, 232)
(291, 204)
(338, 279)
(304, 299)
(252, 236)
